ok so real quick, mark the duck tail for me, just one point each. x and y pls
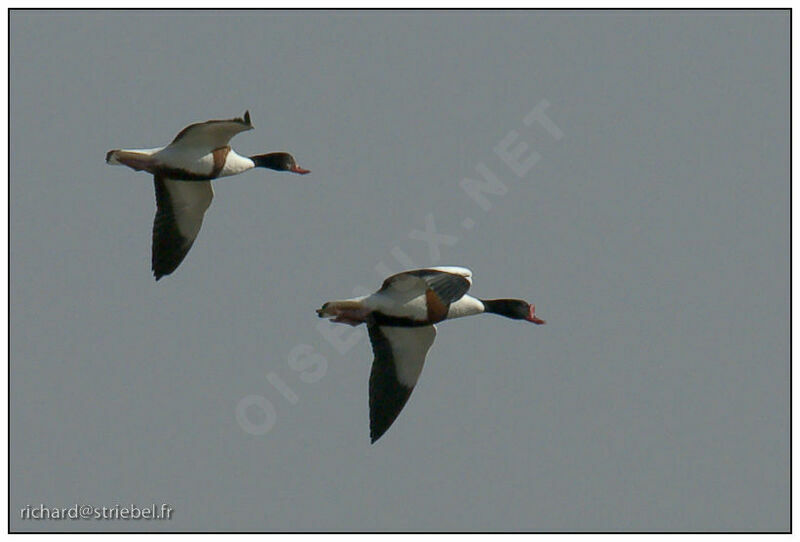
(133, 159)
(332, 309)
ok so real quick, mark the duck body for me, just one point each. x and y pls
(401, 318)
(180, 165)
(182, 172)
(421, 297)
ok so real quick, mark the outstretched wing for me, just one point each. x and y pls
(399, 355)
(448, 284)
(213, 134)
(180, 207)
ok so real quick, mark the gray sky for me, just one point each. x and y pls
(653, 236)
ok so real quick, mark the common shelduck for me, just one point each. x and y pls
(400, 319)
(182, 173)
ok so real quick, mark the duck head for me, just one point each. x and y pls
(516, 309)
(279, 161)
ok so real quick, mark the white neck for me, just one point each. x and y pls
(466, 306)
(235, 164)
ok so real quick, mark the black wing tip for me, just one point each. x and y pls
(381, 423)
(160, 273)
(381, 419)
(247, 118)
(376, 432)
(164, 267)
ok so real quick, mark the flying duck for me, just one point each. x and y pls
(182, 172)
(400, 319)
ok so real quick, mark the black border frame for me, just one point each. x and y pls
(477, 10)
